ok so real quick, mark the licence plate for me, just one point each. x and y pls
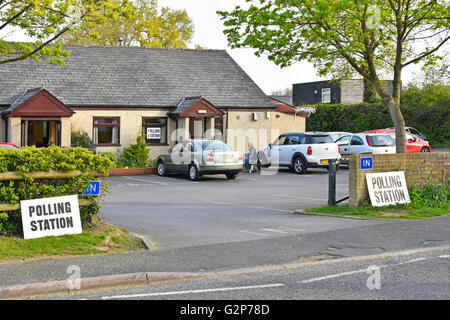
(324, 161)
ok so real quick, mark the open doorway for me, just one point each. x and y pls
(41, 133)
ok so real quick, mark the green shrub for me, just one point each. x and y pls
(27, 160)
(111, 156)
(430, 195)
(80, 138)
(136, 155)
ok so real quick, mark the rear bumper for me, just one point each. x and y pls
(222, 169)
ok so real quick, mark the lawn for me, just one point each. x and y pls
(101, 238)
(397, 212)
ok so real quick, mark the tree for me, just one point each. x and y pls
(46, 21)
(370, 36)
(140, 24)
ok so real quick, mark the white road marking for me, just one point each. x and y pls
(146, 180)
(254, 233)
(445, 256)
(273, 230)
(274, 285)
(415, 260)
(334, 276)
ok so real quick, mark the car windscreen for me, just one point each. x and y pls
(215, 146)
(7, 146)
(315, 139)
(381, 140)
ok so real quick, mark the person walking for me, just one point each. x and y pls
(252, 157)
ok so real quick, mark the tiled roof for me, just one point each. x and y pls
(137, 77)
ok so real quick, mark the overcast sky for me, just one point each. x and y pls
(209, 33)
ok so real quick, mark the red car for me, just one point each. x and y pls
(414, 144)
(8, 145)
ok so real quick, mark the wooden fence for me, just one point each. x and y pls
(7, 176)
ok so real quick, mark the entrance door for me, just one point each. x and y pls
(41, 133)
(196, 128)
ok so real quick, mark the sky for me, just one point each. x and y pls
(208, 32)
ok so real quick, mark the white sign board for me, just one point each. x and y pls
(153, 133)
(387, 188)
(50, 217)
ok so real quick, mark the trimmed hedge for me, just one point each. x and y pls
(426, 109)
(27, 160)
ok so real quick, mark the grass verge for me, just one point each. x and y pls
(101, 238)
(391, 212)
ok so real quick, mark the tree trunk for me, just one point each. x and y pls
(392, 102)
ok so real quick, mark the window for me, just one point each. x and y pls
(356, 141)
(218, 126)
(381, 141)
(106, 131)
(280, 141)
(343, 141)
(155, 130)
(316, 139)
(292, 140)
(326, 95)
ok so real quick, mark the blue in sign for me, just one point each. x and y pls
(93, 188)
(366, 163)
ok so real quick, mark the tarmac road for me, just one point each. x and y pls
(174, 212)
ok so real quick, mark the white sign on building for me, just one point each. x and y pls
(153, 133)
(387, 188)
(54, 216)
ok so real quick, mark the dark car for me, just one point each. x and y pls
(197, 157)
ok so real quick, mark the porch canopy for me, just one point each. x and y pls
(195, 116)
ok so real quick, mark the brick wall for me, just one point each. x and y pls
(419, 168)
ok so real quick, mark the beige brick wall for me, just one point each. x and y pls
(419, 169)
(130, 126)
(242, 129)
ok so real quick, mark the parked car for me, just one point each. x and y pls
(414, 144)
(8, 145)
(415, 132)
(337, 135)
(365, 143)
(197, 157)
(299, 151)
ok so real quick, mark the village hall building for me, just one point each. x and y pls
(116, 93)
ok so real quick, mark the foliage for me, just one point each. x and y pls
(28, 160)
(426, 202)
(369, 37)
(427, 109)
(111, 156)
(136, 155)
(140, 24)
(45, 21)
(430, 195)
(80, 138)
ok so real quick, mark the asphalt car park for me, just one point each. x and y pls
(174, 212)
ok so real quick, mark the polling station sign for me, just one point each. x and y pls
(54, 216)
(387, 188)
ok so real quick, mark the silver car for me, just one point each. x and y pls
(197, 157)
(365, 143)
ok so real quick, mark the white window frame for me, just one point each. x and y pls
(326, 92)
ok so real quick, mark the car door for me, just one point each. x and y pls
(288, 149)
(276, 149)
(177, 158)
(344, 144)
(412, 144)
(357, 145)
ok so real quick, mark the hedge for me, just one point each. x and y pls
(427, 109)
(30, 160)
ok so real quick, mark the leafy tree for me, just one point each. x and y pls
(371, 36)
(46, 21)
(140, 24)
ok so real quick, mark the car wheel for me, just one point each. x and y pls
(425, 150)
(231, 176)
(161, 169)
(299, 165)
(194, 174)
